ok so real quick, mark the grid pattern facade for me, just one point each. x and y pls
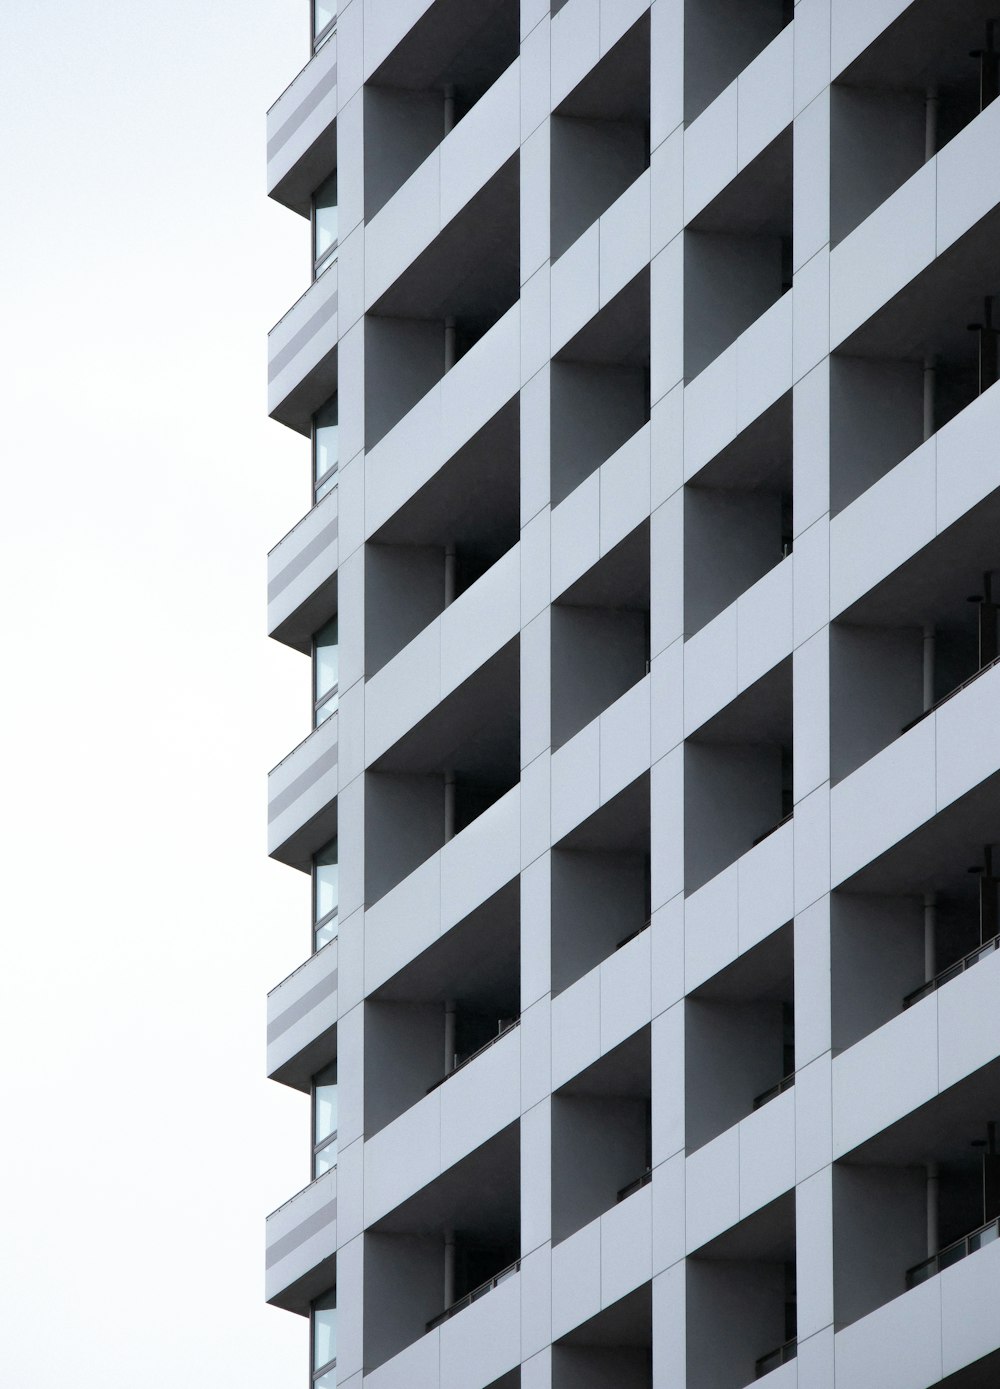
(652, 1019)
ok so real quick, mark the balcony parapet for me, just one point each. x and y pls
(301, 1245)
(301, 797)
(302, 355)
(301, 1018)
(301, 575)
(300, 141)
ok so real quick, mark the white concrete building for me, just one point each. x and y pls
(653, 800)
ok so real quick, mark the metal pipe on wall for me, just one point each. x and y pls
(930, 936)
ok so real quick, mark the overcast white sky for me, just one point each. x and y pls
(141, 923)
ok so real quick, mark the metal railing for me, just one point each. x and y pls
(633, 934)
(775, 1090)
(950, 695)
(467, 1060)
(953, 1253)
(953, 971)
(475, 1295)
(637, 1185)
(774, 828)
(774, 1359)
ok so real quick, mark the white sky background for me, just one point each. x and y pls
(140, 702)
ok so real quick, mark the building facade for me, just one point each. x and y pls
(650, 587)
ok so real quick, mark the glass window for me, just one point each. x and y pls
(326, 893)
(326, 453)
(325, 1120)
(324, 222)
(324, 1338)
(325, 653)
(324, 22)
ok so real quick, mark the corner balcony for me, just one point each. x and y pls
(302, 575)
(301, 1019)
(302, 355)
(301, 131)
(302, 798)
(301, 1249)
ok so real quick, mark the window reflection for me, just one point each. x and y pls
(326, 454)
(325, 672)
(324, 1338)
(324, 22)
(324, 220)
(325, 1120)
(326, 894)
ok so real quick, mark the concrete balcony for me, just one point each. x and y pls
(475, 1347)
(302, 1020)
(461, 1114)
(301, 1248)
(465, 161)
(302, 355)
(932, 1331)
(951, 752)
(301, 798)
(302, 575)
(301, 132)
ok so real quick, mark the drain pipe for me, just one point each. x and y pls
(932, 105)
(988, 924)
(989, 67)
(987, 346)
(933, 1187)
(930, 936)
(449, 108)
(450, 575)
(930, 392)
(930, 651)
(449, 343)
(449, 806)
(449, 1036)
(449, 1267)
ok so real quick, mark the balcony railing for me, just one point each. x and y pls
(952, 972)
(774, 1359)
(950, 695)
(635, 1186)
(775, 1090)
(633, 934)
(953, 1253)
(475, 1295)
(505, 1027)
(773, 830)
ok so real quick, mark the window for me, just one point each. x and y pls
(324, 225)
(324, 1116)
(326, 455)
(324, 1340)
(324, 22)
(325, 652)
(326, 894)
